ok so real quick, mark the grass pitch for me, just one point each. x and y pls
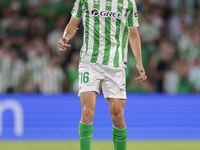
(99, 146)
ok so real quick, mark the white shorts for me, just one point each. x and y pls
(113, 80)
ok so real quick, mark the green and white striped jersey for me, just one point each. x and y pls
(106, 29)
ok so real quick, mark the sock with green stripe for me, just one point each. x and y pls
(119, 138)
(85, 135)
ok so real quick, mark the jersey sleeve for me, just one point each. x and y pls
(77, 9)
(133, 15)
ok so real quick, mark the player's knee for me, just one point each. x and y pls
(118, 120)
(87, 115)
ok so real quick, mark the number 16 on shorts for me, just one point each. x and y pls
(84, 77)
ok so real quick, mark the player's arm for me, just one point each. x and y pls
(69, 32)
(136, 48)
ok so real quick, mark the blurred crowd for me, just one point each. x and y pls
(30, 60)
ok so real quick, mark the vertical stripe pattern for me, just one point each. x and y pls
(107, 34)
(125, 40)
(90, 31)
(106, 29)
(96, 34)
(124, 32)
(86, 25)
(77, 10)
(102, 33)
(117, 36)
(84, 37)
(133, 16)
(113, 34)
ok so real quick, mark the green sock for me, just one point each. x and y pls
(85, 135)
(119, 138)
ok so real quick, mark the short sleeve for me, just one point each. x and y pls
(132, 15)
(77, 9)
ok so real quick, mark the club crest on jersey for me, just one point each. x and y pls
(120, 4)
(110, 14)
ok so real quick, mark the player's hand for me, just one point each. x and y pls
(141, 71)
(62, 44)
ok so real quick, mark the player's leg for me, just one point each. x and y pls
(119, 131)
(114, 89)
(88, 102)
(89, 81)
